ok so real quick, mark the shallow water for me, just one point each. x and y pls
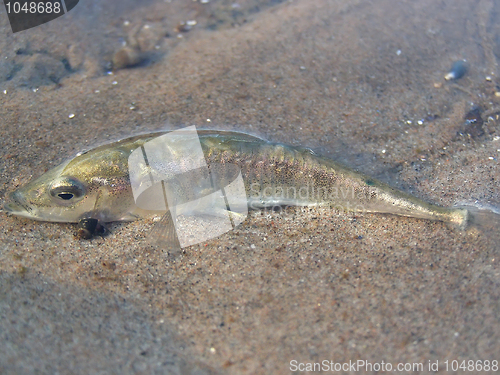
(359, 81)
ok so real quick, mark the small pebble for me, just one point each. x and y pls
(87, 228)
(457, 71)
(75, 56)
(186, 26)
(127, 57)
(474, 123)
(71, 115)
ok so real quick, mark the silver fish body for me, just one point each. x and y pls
(96, 184)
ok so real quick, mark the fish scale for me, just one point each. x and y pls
(306, 179)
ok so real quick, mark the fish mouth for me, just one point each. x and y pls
(17, 206)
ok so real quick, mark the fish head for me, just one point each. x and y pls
(92, 185)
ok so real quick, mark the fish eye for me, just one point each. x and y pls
(67, 190)
(66, 196)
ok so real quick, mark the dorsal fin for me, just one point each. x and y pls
(229, 135)
(234, 135)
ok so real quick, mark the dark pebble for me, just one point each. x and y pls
(457, 71)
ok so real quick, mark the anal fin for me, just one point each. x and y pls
(163, 234)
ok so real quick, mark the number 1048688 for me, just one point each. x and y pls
(33, 7)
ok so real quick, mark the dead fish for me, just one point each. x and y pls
(96, 184)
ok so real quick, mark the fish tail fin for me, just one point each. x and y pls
(484, 219)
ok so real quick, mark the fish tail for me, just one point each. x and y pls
(484, 219)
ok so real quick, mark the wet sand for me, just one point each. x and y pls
(359, 81)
